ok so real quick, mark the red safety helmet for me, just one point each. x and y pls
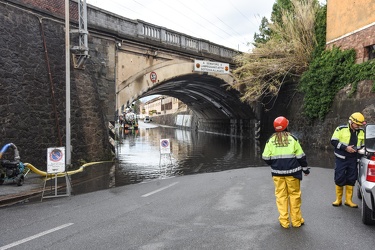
(280, 123)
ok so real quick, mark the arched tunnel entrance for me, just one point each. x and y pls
(216, 107)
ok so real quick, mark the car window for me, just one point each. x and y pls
(370, 138)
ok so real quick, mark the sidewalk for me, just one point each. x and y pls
(99, 175)
(11, 194)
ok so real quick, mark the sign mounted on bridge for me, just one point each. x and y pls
(153, 77)
(211, 67)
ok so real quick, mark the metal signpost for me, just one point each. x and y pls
(56, 168)
(165, 151)
(80, 55)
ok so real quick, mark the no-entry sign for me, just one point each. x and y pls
(165, 147)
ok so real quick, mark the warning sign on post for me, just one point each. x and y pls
(56, 160)
(165, 147)
(211, 67)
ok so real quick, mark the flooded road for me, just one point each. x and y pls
(191, 153)
(140, 159)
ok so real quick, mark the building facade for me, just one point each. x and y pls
(163, 105)
(351, 24)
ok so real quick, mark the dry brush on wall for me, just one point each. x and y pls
(285, 56)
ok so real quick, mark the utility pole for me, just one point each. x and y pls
(68, 157)
(80, 54)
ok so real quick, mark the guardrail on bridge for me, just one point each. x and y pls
(142, 30)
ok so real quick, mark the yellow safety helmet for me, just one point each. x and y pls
(357, 118)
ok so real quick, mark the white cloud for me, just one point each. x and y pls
(229, 23)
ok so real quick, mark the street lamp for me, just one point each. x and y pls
(67, 84)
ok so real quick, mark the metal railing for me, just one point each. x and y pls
(140, 29)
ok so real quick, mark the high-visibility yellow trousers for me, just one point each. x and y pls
(288, 200)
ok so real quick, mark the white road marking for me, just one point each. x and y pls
(35, 236)
(158, 190)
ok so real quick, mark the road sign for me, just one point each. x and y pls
(211, 67)
(153, 77)
(56, 160)
(165, 147)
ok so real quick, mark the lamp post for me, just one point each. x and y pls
(67, 84)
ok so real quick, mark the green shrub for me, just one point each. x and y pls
(329, 72)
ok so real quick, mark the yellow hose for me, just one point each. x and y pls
(44, 174)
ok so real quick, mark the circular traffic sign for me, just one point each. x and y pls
(165, 143)
(56, 155)
(153, 77)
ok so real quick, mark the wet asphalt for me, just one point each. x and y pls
(233, 209)
(241, 215)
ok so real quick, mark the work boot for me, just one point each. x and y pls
(338, 201)
(300, 225)
(348, 197)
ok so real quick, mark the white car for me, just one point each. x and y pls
(147, 119)
(366, 177)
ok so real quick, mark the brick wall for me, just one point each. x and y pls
(55, 7)
(357, 41)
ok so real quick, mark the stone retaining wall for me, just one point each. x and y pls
(32, 96)
(318, 134)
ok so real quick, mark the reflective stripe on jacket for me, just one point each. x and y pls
(341, 139)
(285, 160)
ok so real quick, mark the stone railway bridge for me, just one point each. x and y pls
(122, 55)
(215, 106)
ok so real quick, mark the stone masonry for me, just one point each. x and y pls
(32, 83)
(358, 41)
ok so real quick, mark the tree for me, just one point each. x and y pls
(264, 33)
(278, 8)
(285, 56)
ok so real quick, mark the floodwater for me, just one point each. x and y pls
(143, 155)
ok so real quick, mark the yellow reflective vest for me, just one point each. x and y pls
(343, 137)
(285, 160)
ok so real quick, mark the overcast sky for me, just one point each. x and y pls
(229, 23)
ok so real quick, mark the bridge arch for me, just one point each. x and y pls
(208, 95)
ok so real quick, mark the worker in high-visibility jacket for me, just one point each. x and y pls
(347, 140)
(287, 159)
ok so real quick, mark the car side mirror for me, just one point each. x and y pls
(370, 138)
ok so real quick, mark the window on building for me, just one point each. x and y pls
(370, 52)
(168, 106)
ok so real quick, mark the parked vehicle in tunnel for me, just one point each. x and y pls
(147, 119)
(366, 177)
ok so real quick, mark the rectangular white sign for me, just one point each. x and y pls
(56, 160)
(165, 146)
(211, 67)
